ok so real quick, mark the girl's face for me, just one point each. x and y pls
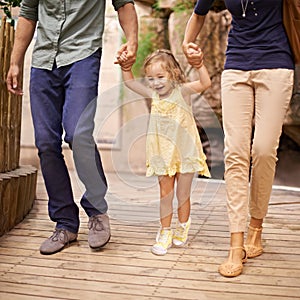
(158, 80)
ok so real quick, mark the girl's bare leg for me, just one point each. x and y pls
(183, 193)
(166, 184)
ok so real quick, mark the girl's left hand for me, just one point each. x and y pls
(126, 57)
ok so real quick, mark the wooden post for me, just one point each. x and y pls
(6, 98)
(2, 99)
(5, 199)
(13, 199)
(21, 195)
(17, 183)
(13, 163)
(1, 209)
(10, 106)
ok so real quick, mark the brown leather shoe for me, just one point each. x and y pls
(57, 241)
(99, 231)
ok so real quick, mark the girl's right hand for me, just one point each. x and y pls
(193, 54)
(121, 58)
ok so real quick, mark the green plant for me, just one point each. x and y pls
(146, 46)
(183, 5)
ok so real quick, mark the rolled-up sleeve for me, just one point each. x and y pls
(202, 7)
(119, 3)
(29, 9)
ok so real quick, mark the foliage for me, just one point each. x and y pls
(6, 6)
(156, 6)
(183, 5)
(146, 46)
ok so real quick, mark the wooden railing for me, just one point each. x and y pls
(17, 183)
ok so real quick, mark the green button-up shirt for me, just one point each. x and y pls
(67, 30)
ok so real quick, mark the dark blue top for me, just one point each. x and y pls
(258, 40)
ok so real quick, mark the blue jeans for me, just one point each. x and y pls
(63, 101)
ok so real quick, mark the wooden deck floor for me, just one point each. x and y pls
(126, 269)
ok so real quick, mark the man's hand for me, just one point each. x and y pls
(126, 56)
(193, 54)
(14, 81)
(23, 36)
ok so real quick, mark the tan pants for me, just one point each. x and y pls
(263, 95)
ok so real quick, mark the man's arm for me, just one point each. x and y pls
(24, 33)
(129, 23)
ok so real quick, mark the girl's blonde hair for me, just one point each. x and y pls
(168, 63)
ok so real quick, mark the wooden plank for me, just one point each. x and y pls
(15, 296)
(100, 295)
(197, 244)
(53, 292)
(194, 261)
(204, 249)
(180, 289)
(126, 269)
(202, 272)
(269, 233)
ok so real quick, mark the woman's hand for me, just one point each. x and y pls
(193, 54)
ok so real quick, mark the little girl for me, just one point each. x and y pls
(173, 147)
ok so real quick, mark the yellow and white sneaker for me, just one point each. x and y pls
(163, 241)
(180, 236)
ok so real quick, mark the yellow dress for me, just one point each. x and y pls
(173, 144)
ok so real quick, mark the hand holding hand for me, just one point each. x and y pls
(126, 56)
(193, 54)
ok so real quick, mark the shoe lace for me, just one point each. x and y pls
(179, 232)
(59, 234)
(162, 236)
(95, 223)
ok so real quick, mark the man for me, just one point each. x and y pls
(63, 95)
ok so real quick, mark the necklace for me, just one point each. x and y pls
(244, 8)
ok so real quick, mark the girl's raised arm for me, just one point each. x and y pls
(135, 85)
(204, 82)
(129, 80)
(200, 85)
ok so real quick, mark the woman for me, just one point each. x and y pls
(256, 84)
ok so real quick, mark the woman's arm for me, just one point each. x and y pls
(190, 49)
(193, 28)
